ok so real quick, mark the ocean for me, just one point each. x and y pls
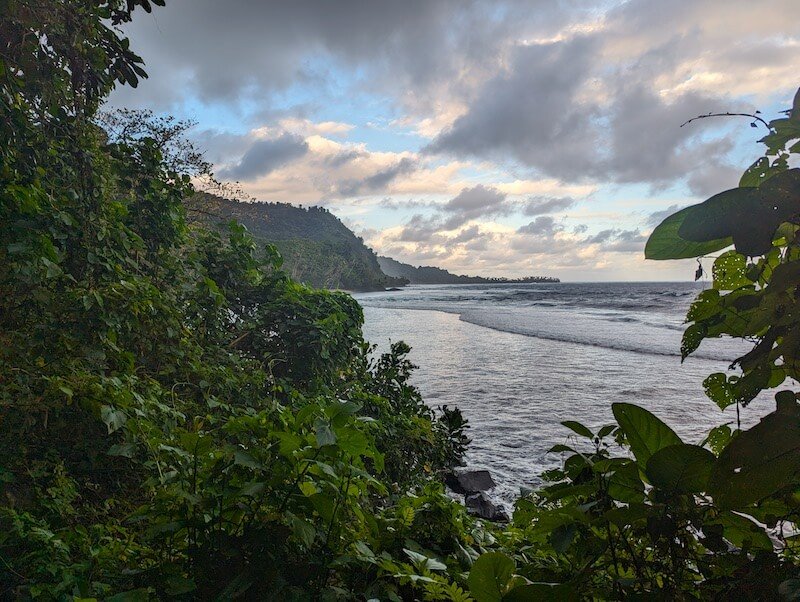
(517, 359)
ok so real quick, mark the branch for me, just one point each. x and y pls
(728, 114)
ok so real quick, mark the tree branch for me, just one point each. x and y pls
(728, 114)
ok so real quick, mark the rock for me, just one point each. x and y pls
(393, 288)
(469, 481)
(479, 504)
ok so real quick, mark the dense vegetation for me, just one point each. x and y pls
(317, 248)
(434, 275)
(180, 418)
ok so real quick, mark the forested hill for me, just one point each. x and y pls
(317, 248)
(432, 275)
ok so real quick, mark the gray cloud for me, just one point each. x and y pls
(539, 114)
(544, 205)
(344, 157)
(390, 203)
(544, 225)
(378, 181)
(420, 229)
(264, 156)
(656, 217)
(472, 203)
(601, 237)
(617, 240)
(530, 112)
(243, 49)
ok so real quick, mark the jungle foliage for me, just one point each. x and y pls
(317, 248)
(181, 419)
(178, 416)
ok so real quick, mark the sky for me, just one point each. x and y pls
(498, 138)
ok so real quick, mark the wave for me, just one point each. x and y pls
(488, 318)
(577, 339)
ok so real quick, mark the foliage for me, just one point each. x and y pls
(179, 417)
(317, 248)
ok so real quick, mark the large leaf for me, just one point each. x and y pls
(664, 242)
(680, 468)
(625, 484)
(760, 461)
(719, 216)
(489, 576)
(578, 429)
(645, 433)
(743, 532)
(729, 271)
(747, 216)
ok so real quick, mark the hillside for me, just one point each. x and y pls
(433, 275)
(317, 248)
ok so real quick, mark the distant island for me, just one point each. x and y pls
(433, 275)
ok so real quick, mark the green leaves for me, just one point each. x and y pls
(325, 435)
(488, 579)
(113, 418)
(680, 468)
(492, 579)
(645, 433)
(666, 243)
(625, 485)
(759, 461)
(747, 217)
(578, 428)
(730, 271)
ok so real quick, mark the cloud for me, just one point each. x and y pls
(542, 225)
(239, 49)
(473, 112)
(264, 156)
(380, 180)
(530, 112)
(420, 229)
(472, 203)
(601, 237)
(656, 217)
(617, 240)
(544, 205)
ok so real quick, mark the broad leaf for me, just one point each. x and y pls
(743, 532)
(729, 271)
(747, 217)
(325, 436)
(665, 243)
(759, 461)
(625, 485)
(680, 468)
(645, 433)
(578, 428)
(489, 576)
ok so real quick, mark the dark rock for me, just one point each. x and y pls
(479, 504)
(469, 481)
(393, 288)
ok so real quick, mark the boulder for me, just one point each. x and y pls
(469, 481)
(479, 504)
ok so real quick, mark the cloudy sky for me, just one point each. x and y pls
(496, 138)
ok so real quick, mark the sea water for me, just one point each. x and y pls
(518, 359)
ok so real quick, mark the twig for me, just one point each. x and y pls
(728, 114)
